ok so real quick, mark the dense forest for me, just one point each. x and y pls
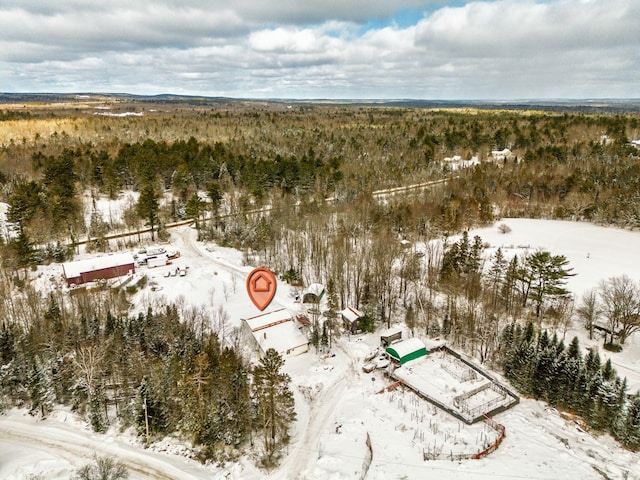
(564, 165)
(162, 372)
(301, 190)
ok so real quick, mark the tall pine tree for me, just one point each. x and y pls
(274, 404)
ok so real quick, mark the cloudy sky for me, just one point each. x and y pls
(426, 49)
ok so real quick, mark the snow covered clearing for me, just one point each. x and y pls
(110, 211)
(345, 429)
(595, 253)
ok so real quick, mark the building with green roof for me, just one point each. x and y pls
(407, 350)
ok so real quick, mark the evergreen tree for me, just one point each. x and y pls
(332, 314)
(151, 418)
(573, 351)
(8, 339)
(544, 375)
(23, 250)
(592, 362)
(274, 404)
(367, 323)
(40, 389)
(509, 284)
(520, 366)
(495, 275)
(507, 340)
(97, 414)
(544, 275)
(630, 430)
(60, 189)
(24, 202)
(324, 339)
(569, 368)
(315, 335)
(194, 209)
(451, 263)
(474, 261)
(464, 249)
(147, 207)
(608, 372)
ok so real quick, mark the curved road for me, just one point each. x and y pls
(79, 448)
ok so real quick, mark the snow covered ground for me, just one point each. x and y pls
(337, 403)
(595, 253)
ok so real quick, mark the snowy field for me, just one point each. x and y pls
(337, 404)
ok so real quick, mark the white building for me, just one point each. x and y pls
(501, 155)
(456, 162)
(277, 330)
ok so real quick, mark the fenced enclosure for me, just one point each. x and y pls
(434, 433)
(456, 385)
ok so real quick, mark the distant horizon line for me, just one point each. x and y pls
(585, 105)
(335, 99)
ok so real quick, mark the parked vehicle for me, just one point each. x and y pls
(156, 260)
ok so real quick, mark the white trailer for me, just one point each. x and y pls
(157, 260)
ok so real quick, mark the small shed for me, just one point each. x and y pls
(313, 294)
(410, 349)
(98, 268)
(350, 319)
(390, 335)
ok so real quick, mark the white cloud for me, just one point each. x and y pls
(501, 49)
(513, 27)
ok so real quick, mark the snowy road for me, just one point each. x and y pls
(304, 452)
(50, 442)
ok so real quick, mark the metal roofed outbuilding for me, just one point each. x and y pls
(407, 350)
(98, 268)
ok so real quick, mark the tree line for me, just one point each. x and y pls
(544, 368)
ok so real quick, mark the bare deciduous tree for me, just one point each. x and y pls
(588, 311)
(620, 298)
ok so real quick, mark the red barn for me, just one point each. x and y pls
(98, 268)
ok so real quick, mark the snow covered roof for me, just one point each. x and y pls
(266, 319)
(504, 152)
(316, 289)
(407, 350)
(391, 331)
(78, 267)
(282, 337)
(456, 162)
(276, 330)
(351, 314)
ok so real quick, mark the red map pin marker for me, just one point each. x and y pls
(261, 287)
